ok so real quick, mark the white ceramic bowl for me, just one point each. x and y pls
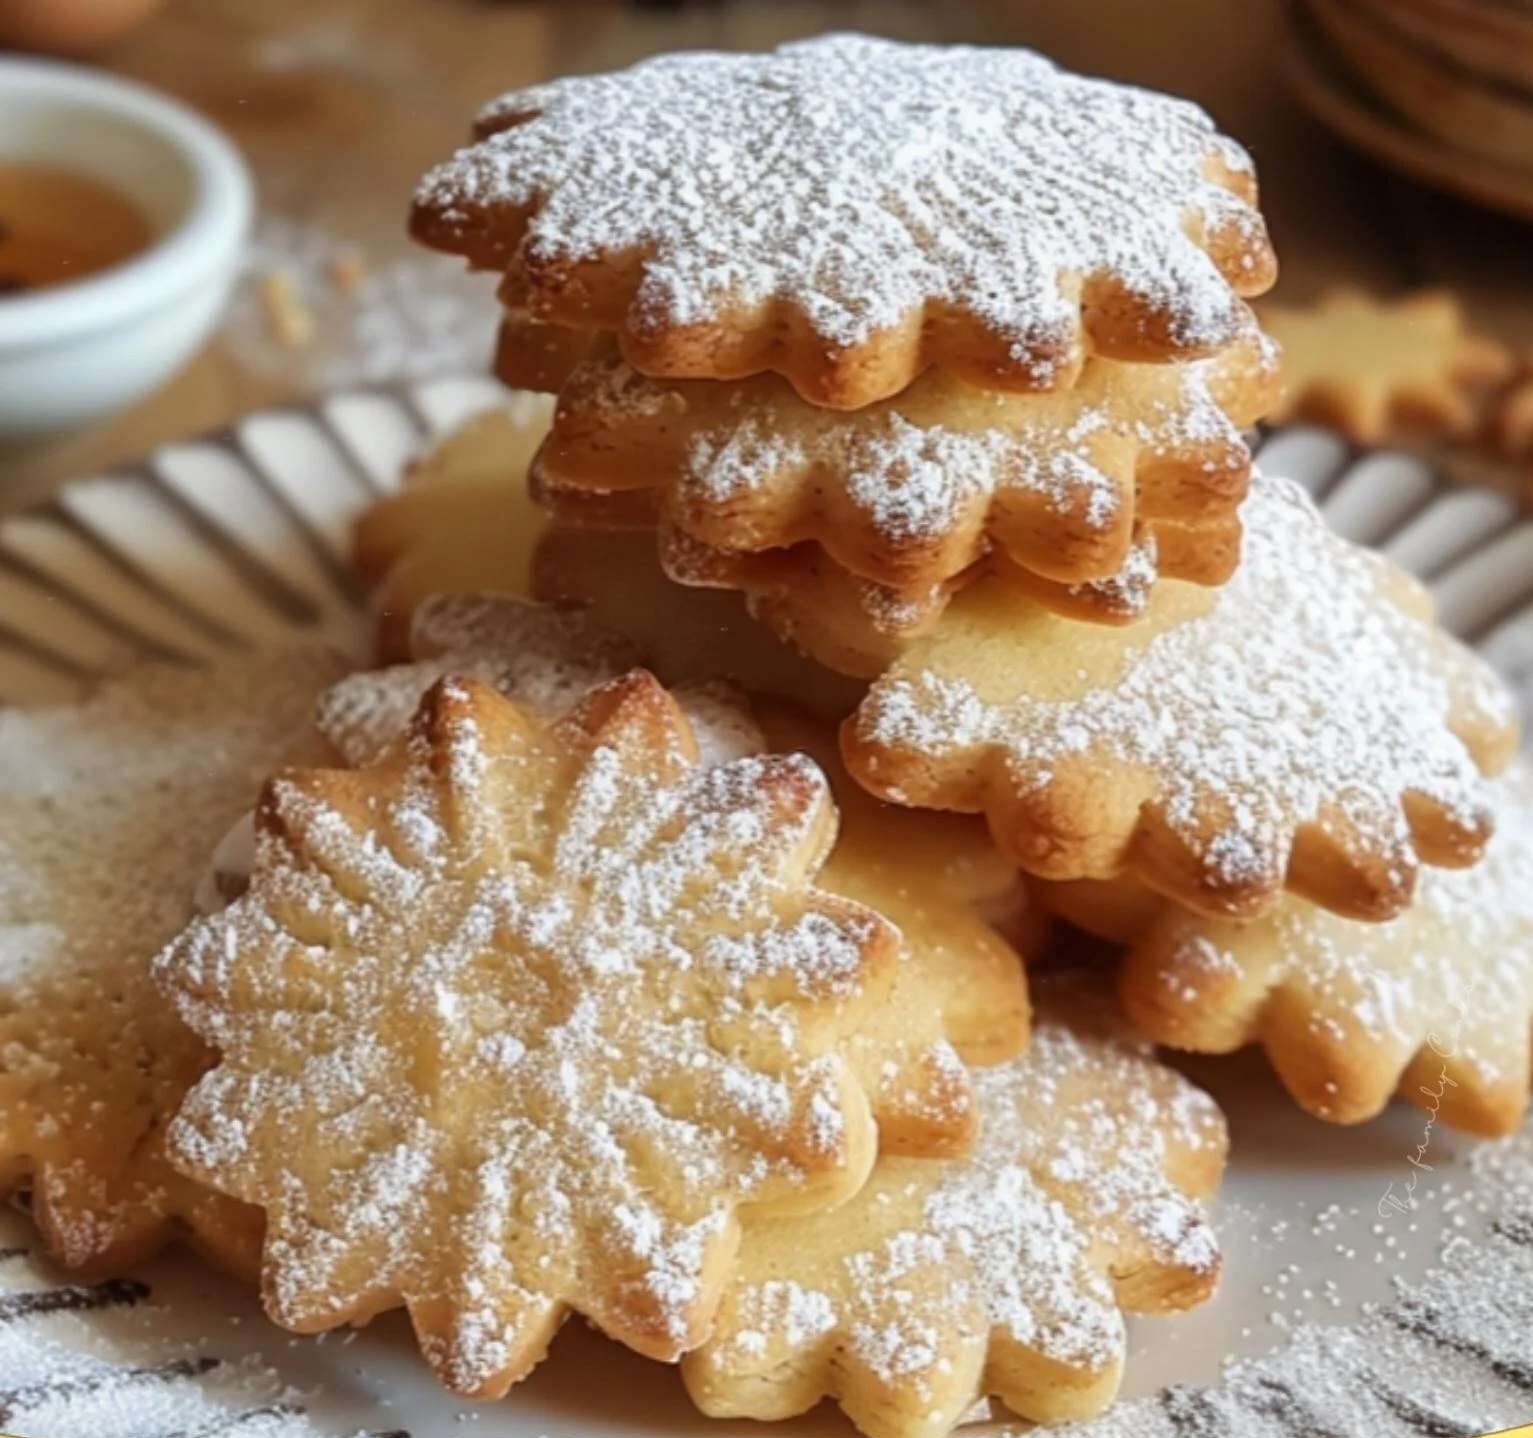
(76, 352)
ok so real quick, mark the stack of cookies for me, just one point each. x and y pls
(665, 939)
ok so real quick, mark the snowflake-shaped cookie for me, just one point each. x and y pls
(514, 1022)
(1371, 367)
(914, 490)
(857, 627)
(1004, 1273)
(848, 211)
(959, 994)
(1305, 725)
(111, 809)
(1437, 1003)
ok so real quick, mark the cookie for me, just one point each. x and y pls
(544, 657)
(1303, 727)
(960, 995)
(111, 809)
(539, 357)
(1117, 910)
(1004, 1273)
(1372, 367)
(915, 490)
(859, 628)
(463, 521)
(684, 634)
(850, 211)
(1436, 1004)
(555, 1004)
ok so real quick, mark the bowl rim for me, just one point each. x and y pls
(210, 234)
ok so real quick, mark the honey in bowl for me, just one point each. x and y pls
(57, 226)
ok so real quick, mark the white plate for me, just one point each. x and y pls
(239, 540)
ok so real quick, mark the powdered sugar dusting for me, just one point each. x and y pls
(858, 180)
(1453, 973)
(933, 461)
(110, 810)
(544, 657)
(1074, 1178)
(1296, 694)
(607, 957)
(1447, 1355)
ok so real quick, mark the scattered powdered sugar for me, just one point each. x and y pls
(858, 180)
(1298, 693)
(310, 309)
(1074, 1178)
(1447, 1356)
(111, 808)
(605, 959)
(1126, 594)
(97, 1359)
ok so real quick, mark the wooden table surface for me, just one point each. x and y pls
(339, 105)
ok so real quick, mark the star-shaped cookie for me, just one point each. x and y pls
(915, 490)
(959, 994)
(1370, 367)
(848, 211)
(1436, 1004)
(111, 809)
(516, 1020)
(1305, 726)
(1004, 1273)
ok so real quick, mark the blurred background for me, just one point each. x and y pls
(338, 105)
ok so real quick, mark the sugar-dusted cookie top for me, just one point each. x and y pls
(917, 488)
(1003, 1273)
(1304, 725)
(1437, 1003)
(108, 812)
(848, 210)
(514, 1021)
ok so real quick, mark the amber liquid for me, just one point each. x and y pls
(57, 226)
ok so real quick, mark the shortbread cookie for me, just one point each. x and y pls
(915, 490)
(850, 211)
(859, 628)
(1437, 1004)
(1371, 367)
(1118, 910)
(546, 658)
(463, 522)
(1003, 1274)
(540, 357)
(514, 1021)
(684, 634)
(1303, 726)
(110, 811)
(960, 996)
